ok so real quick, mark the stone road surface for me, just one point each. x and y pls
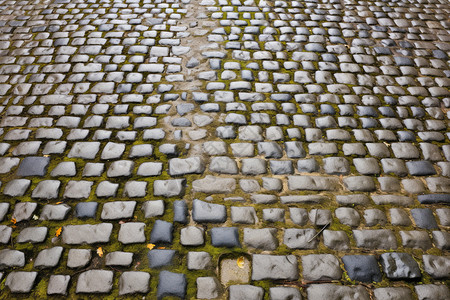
(225, 149)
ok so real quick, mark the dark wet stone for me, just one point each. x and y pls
(362, 268)
(158, 258)
(161, 232)
(434, 198)
(171, 284)
(403, 61)
(439, 54)
(33, 166)
(382, 51)
(86, 209)
(225, 237)
(406, 136)
(423, 217)
(180, 211)
(420, 168)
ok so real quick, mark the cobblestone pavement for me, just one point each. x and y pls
(225, 149)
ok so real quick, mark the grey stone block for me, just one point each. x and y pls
(20, 282)
(317, 267)
(58, 284)
(276, 267)
(95, 281)
(171, 284)
(133, 282)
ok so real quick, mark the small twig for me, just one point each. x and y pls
(317, 234)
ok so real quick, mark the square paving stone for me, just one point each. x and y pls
(55, 212)
(424, 218)
(57, 285)
(362, 268)
(171, 284)
(208, 212)
(392, 293)
(420, 168)
(4, 207)
(198, 260)
(32, 235)
(153, 208)
(318, 267)
(432, 291)
(106, 189)
(208, 288)
(180, 211)
(78, 258)
(119, 258)
(134, 282)
(275, 267)
(16, 187)
(161, 232)
(48, 258)
(284, 293)
(225, 237)
(46, 189)
(23, 211)
(78, 189)
(5, 234)
(86, 209)
(33, 166)
(132, 232)
(264, 239)
(437, 266)
(118, 210)
(337, 240)
(158, 258)
(11, 258)
(245, 292)
(95, 281)
(334, 291)
(20, 282)
(191, 236)
(399, 266)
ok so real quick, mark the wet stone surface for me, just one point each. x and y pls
(223, 149)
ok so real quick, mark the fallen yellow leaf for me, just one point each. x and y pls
(100, 251)
(58, 202)
(150, 246)
(58, 231)
(14, 221)
(161, 248)
(240, 262)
